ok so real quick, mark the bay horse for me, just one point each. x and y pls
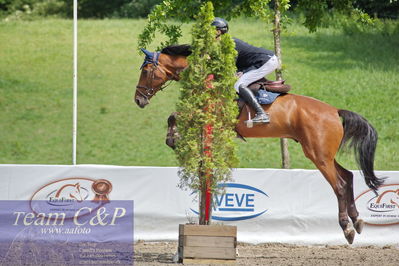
(316, 125)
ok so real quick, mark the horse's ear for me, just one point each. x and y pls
(146, 52)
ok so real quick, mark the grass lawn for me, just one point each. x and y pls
(355, 72)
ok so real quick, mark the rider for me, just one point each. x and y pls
(255, 63)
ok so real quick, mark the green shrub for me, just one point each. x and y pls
(115, 8)
(136, 8)
(383, 27)
(11, 6)
(47, 8)
(33, 9)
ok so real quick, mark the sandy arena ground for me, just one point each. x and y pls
(161, 254)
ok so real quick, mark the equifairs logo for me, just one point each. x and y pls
(240, 202)
(381, 209)
(68, 193)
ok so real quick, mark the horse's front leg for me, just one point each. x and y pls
(172, 135)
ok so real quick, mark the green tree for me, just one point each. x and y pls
(207, 112)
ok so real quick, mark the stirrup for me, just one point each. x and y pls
(249, 123)
(258, 119)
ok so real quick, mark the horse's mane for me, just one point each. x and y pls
(182, 49)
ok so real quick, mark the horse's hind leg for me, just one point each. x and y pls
(339, 186)
(351, 206)
(323, 158)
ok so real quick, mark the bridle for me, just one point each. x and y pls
(148, 91)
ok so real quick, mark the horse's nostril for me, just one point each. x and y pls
(137, 101)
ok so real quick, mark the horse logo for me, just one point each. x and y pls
(70, 191)
(67, 193)
(390, 197)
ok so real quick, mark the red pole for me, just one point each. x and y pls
(208, 131)
(208, 175)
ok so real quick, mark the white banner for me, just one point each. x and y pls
(267, 205)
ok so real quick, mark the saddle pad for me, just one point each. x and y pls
(266, 97)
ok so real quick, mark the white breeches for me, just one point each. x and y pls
(256, 74)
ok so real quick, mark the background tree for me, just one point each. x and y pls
(387, 9)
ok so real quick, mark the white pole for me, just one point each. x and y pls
(75, 79)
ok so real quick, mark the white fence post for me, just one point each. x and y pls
(75, 79)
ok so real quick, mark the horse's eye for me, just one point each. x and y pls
(145, 71)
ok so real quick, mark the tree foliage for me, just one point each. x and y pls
(141, 8)
(379, 8)
(86, 8)
(207, 104)
(313, 10)
(184, 11)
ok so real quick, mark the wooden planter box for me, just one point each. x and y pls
(207, 243)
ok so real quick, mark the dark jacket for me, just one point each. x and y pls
(250, 57)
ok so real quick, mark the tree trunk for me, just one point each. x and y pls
(279, 76)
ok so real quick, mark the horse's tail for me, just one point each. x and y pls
(360, 135)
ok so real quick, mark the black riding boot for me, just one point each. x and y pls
(249, 98)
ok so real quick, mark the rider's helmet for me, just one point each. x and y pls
(221, 25)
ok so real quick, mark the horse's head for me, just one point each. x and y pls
(154, 75)
(157, 69)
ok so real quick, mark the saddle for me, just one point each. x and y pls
(270, 85)
(272, 89)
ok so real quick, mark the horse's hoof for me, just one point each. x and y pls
(359, 225)
(349, 235)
